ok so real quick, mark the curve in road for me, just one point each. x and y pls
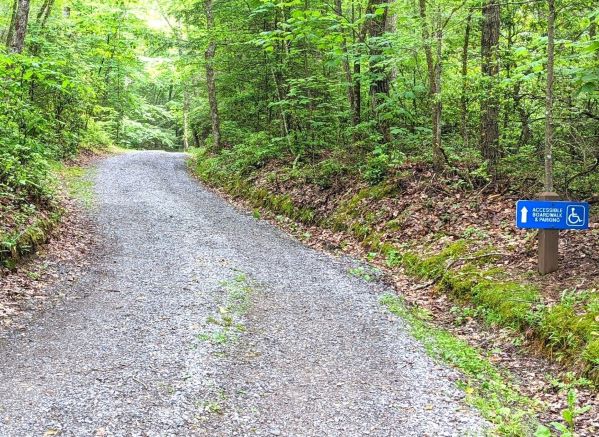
(312, 354)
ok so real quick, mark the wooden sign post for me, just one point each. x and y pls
(548, 243)
(549, 215)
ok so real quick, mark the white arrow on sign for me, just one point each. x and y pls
(524, 214)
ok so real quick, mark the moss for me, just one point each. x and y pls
(394, 225)
(461, 283)
(351, 209)
(512, 302)
(373, 241)
(433, 267)
(568, 329)
(17, 245)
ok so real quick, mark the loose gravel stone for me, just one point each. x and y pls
(318, 356)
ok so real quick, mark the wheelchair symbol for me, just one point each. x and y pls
(576, 216)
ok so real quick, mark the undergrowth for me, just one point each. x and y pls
(211, 170)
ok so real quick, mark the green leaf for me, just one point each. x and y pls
(542, 431)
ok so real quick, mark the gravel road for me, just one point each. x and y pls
(156, 344)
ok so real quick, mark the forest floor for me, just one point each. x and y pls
(35, 282)
(194, 318)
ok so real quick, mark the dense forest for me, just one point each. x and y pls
(477, 88)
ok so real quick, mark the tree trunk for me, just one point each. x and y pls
(357, 116)
(391, 28)
(17, 40)
(196, 137)
(44, 13)
(525, 131)
(549, 98)
(379, 85)
(434, 84)
(593, 32)
(11, 26)
(438, 155)
(347, 69)
(357, 78)
(489, 125)
(465, 85)
(186, 129)
(210, 77)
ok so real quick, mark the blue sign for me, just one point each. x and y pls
(547, 214)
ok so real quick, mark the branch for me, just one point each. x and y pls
(582, 173)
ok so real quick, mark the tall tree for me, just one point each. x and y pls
(210, 75)
(465, 85)
(348, 68)
(379, 83)
(489, 124)
(44, 12)
(358, 38)
(434, 81)
(11, 25)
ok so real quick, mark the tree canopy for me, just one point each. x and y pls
(471, 87)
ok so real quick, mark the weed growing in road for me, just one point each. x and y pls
(34, 276)
(485, 386)
(213, 407)
(214, 404)
(227, 325)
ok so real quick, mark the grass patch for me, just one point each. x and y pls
(485, 386)
(78, 182)
(361, 272)
(226, 325)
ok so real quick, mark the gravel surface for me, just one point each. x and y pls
(313, 354)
